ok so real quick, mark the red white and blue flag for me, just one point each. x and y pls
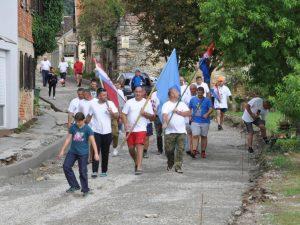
(112, 92)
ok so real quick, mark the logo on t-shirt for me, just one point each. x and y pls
(79, 136)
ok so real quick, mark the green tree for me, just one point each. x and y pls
(99, 19)
(46, 26)
(265, 35)
(169, 24)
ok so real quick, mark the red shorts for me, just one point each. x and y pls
(136, 138)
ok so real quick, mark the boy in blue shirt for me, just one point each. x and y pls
(201, 108)
(79, 135)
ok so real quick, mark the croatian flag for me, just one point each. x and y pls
(112, 92)
(203, 63)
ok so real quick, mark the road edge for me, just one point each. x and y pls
(21, 167)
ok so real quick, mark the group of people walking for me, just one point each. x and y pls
(184, 122)
(49, 74)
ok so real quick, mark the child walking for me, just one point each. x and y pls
(52, 80)
(79, 135)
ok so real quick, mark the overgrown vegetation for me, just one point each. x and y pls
(99, 19)
(46, 26)
(169, 24)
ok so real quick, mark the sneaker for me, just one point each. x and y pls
(145, 155)
(188, 152)
(103, 175)
(53, 98)
(179, 170)
(220, 127)
(115, 152)
(72, 189)
(250, 150)
(85, 194)
(138, 172)
(94, 175)
(203, 154)
(169, 168)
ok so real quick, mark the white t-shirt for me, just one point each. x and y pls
(74, 104)
(121, 93)
(154, 101)
(255, 105)
(186, 89)
(223, 93)
(101, 116)
(177, 123)
(84, 105)
(205, 86)
(63, 66)
(132, 109)
(45, 65)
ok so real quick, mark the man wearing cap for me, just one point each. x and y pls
(138, 80)
(221, 94)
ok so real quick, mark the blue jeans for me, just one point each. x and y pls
(69, 173)
(45, 75)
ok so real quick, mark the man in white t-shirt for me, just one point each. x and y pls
(102, 112)
(73, 107)
(175, 131)
(186, 99)
(184, 90)
(255, 113)
(221, 101)
(84, 104)
(200, 83)
(135, 116)
(44, 69)
(63, 68)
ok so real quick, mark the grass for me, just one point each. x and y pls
(286, 210)
(281, 162)
(272, 121)
(287, 218)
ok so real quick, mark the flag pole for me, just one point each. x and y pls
(181, 97)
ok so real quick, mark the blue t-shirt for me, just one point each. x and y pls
(137, 81)
(80, 139)
(200, 107)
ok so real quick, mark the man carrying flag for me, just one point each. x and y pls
(135, 115)
(175, 129)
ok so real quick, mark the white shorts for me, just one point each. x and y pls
(200, 129)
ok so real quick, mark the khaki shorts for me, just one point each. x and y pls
(200, 129)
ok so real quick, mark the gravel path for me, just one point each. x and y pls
(123, 198)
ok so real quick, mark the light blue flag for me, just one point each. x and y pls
(169, 78)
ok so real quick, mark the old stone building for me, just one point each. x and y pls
(132, 53)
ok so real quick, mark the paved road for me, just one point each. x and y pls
(123, 198)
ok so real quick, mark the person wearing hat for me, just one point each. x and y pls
(221, 95)
(138, 80)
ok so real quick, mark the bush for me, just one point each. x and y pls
(287, 97)
(287, 145)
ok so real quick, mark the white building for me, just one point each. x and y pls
(9, 79)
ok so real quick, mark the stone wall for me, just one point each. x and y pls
(137, 54)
